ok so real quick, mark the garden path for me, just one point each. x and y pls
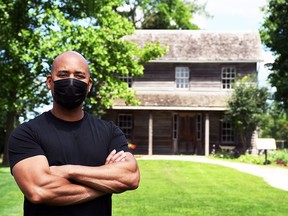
(275, 176)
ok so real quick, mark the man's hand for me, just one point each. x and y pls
(114, 157)
(119, 173)
(61, 171)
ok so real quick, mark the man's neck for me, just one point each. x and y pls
(67, 115)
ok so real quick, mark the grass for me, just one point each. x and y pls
(179, 188)
(11, 197)
(188, 188)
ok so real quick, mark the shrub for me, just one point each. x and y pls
(278, 157)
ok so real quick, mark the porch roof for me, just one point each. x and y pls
(200, 101)
(203, 46)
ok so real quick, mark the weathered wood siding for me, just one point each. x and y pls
(203, 76)
(162, 130)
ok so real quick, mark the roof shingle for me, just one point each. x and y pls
(203, 46)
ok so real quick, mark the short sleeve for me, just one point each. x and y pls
(23, 144)
(118, 141)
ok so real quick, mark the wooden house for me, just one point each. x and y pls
(184, 93)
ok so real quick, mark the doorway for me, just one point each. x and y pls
(187, 134)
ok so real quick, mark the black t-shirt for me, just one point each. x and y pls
(86, 142)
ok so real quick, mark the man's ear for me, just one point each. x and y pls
(90, 83)
(49, 81)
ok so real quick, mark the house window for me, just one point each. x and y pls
(227, 132)
(175, 126)
(127, 79)
(228, 75)
(182, 77)
(199, 126)
(125, 124)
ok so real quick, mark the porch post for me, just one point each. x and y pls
(207, 134)
(150, 134)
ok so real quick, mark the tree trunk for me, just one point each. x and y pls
(11, 116)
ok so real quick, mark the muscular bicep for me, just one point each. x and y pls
(30, 171)
(32, 175)
(34, 178)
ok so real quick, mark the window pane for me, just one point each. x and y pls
(125, 124)
(227, 133)
(182, 77)
(228, 75)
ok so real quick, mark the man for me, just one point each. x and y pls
(65, 161)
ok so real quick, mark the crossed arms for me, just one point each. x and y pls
(42, 184)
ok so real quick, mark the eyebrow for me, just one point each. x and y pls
(67, 71)
(79, 72)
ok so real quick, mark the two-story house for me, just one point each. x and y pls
(184, 93)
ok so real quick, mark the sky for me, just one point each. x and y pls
(236, 15)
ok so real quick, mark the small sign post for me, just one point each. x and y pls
(265, 144)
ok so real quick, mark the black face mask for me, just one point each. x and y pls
(70, 93)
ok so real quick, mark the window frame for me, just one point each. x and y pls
(128, 80)
(227, 133)
(230, 73)
(122, 124)
(175, 126)
(182, 78)
(199, 127)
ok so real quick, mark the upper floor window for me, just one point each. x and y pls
(127, 79)
(227, 132)
(228, 75)
(182, 77)
(125, 124)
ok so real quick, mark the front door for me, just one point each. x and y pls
(187, 134)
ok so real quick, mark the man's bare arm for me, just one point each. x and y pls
(34, 178)
(120, 173)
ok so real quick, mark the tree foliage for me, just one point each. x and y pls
(275, 123)
(162, 14)
(274, 34)
(34, 32)
(246, 107)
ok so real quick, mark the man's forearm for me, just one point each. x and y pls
(109, 178)
(40, 186)
(66, 194)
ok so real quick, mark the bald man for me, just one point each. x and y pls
(66, 161)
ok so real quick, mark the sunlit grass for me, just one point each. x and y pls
(179, 188)
(189, 188)
(11, 197)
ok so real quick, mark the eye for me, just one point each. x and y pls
(62, 74)
(80, 75)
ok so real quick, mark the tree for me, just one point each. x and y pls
(33, 32)
(246, 107)
(276, 123)
(162, 14)
(274, 34)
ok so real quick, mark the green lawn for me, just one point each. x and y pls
(189, 188)
(179, 188)
(11, 197)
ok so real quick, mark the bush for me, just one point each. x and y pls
(278, 157)
(253, 159)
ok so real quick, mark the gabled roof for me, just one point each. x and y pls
(203, 46)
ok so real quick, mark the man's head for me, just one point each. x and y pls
(69, 80)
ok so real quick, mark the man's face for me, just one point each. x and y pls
(69, 65)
